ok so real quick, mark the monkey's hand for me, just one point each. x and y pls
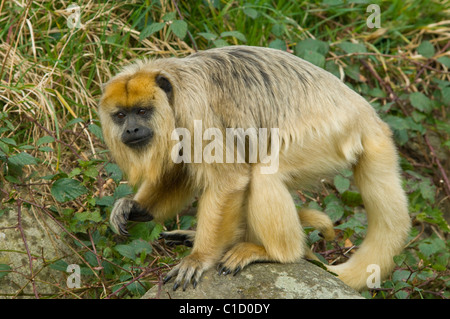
(126, 209)
(190, 269)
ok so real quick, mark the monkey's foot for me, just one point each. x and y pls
(126, 209)
(190, 269)
(240, 256)
(179, 237)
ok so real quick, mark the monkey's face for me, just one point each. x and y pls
(134, 125)
(128, 108)
(137, 120)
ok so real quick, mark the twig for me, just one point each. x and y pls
(30, 259)
(387, 86)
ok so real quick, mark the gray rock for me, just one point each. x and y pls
(302, 280)
(44, 243)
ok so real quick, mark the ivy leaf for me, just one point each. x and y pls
(342, 184)
(333, 208)
(66, 189)
(179, 28)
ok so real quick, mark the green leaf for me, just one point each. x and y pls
(420, 101)
(179, 28)
(350, 47)
(46, 149)
(122, 190)
(445, 60)
(45, 140)
(235, 34)
(399, 259)
(8, 140)
(156, 231)
(426, 49)
(105, 201)
(136, 288)
(278, 29)
(342, 184)
(92, 216)
(60, 265)
(134, 248)
(96, 130)
(250, 12)
(114, 172)
(333, 208)
(140, 246)
(278, 44)
(66, 189)
(401, 275)
(446, 95)
(315, 58)
(4, 270)
(311, 45)
(150, 29)
(219, 43)
(208, 36)
(169, 16)
(427, 190)
(22, 159)
(126, 251)
(352, 199)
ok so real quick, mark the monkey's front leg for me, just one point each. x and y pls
(124, 210)
(219, 221)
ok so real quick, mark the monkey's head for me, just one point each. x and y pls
(137, 120)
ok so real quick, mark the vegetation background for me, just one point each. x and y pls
(54, 163)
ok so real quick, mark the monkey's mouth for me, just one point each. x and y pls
(140, 142)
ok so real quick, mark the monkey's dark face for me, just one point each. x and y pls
(133, 110)
(134, 125)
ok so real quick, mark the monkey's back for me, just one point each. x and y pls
(245, 86)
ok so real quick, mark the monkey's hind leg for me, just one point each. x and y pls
(273, 227)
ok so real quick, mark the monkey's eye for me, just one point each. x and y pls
(141, 112)
(120, 115)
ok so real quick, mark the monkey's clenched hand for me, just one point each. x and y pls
(125, 210)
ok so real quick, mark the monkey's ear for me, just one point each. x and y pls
(164, 84)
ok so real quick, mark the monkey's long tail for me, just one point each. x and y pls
(378, 179)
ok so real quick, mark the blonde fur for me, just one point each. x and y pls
(243, 215)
